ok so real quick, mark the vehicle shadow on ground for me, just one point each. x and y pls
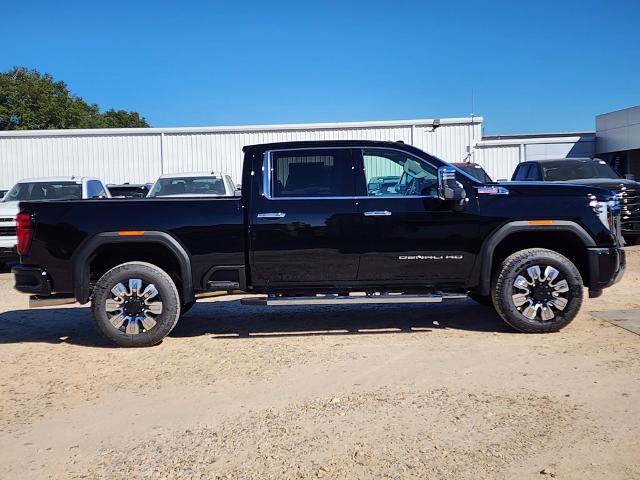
(229, 319)
(6, 267)
(235, 320)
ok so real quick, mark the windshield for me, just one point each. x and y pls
(195, 186)
(576, 169)
(44, 191)
(476, 172)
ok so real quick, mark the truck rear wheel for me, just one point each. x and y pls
(537, 291)
(135, 304)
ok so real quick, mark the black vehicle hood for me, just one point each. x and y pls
(602, 182)
(557, 189)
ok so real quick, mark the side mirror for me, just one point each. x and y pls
(448, 187)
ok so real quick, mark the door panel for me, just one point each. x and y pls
(417, 242)
(305, 229)
(412, 237)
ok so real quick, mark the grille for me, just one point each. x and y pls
(629, 207)
(7, 231)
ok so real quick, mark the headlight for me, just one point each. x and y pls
(605, 210)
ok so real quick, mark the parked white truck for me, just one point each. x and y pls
(51, 188)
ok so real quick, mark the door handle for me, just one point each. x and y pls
(272, 215)
(377, 213)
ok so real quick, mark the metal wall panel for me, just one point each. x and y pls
(132, 158)
(498, 161)
(500, 156)
(134, 155)
(542, 151)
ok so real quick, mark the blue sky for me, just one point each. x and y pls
(534, 66)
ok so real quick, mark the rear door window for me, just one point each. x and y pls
(533, 175)
(522, 172)
(311, 173)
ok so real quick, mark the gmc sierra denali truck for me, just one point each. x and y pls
(309, 229)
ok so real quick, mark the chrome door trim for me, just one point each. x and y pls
(272, 215)
(377, 213)
(267, 173)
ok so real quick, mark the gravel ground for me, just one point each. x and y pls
(445, 391)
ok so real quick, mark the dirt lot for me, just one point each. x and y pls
(326, 392)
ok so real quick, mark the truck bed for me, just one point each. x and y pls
(210, 230)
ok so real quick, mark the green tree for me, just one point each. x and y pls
(30, 100)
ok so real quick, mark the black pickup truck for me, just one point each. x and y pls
(310, 229)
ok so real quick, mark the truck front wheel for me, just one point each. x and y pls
(135, 304)
(537, 291)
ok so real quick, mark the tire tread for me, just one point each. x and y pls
(508, 312)
(102, 286)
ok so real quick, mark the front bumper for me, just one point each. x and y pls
(606, 267)
(33, 280)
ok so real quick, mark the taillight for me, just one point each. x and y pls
(24, 232)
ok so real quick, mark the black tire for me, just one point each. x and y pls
(167, 295)
(186, 307)
(484, 300)
(503, 290)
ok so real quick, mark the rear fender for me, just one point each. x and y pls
(82, 258)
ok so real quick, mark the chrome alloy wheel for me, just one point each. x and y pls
(539, 295)
(134, 309)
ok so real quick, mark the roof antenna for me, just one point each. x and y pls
(469, 154)
(472, 106)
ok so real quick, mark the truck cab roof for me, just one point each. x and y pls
(193, 175)
(57, 179)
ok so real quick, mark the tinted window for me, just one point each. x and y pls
(44, 191)
(130, 191)
(522, 172)
(534, 173)
(311, 173)
(577, 169)
(189, 186)
(95, 189)
(477, 172)
(392, 173)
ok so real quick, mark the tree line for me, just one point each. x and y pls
(30, 100)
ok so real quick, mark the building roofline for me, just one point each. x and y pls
(616, 111)
(245, 128)
(529, 139)
(538, 135)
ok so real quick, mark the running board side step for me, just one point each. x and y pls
(350, 299)
(219, 286)
(50, 301)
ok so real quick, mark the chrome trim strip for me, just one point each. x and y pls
(492, 190)
(377, 213)
(272, 215)
(345, 300)
(267, 172)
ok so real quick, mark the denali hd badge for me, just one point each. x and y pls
(430, 257)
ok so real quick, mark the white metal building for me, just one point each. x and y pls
(499, 155)
(141, 155)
